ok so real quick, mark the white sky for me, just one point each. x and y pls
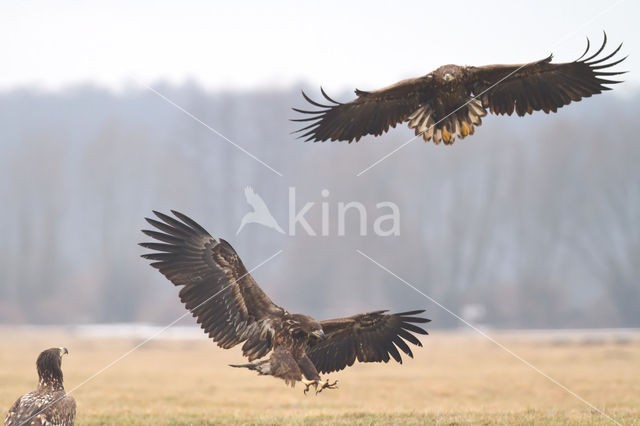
(256, 44)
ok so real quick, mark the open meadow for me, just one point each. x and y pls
(457, 378)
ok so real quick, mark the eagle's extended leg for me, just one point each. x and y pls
(327, 385)
(312, 378)
(318, 385)
(307, 384)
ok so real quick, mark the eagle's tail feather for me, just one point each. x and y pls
(262, 367)
(248, 365)
(460, 123)
(280, 364)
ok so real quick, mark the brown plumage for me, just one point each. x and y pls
(48, 404)
(232, 309)
(451, 100)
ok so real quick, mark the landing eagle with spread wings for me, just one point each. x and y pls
(231, 308)
(48, 404)
(451, 100)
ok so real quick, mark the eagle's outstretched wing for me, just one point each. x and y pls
(442, 108)
(371, 113)
(218, 290)
(541, 85)
(371, 337)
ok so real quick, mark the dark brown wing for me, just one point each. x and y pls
(218, 290)
(371, 113)
(42, 408)
(63, 412)
(370, 337)
(541, 85)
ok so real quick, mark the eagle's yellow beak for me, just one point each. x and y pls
(319, 334)
(63, 351)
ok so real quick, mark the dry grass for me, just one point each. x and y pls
(455, 378)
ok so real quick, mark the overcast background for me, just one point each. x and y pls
(532, 222)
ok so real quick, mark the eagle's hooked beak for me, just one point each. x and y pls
(448, 77)
(63, 351)
(319, 334)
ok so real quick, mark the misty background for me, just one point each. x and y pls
(531, 222)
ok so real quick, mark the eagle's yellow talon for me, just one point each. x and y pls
(327, 385)
(308, 383)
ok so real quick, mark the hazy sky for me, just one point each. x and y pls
(250, 44)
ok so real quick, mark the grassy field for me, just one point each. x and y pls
(455, 379)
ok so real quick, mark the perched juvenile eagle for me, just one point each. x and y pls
(49, 404)
(231, 308)
(451, 100)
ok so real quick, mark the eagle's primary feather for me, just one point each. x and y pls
(451, 100)
(231, 308)
(371, 337)
(48, 404)
(216, 287)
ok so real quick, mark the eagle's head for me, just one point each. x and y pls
(307, 326)
(49, 365)
(448, 73)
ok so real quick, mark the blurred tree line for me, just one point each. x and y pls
(535, 219)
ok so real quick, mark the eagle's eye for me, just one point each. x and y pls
(448, 77)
